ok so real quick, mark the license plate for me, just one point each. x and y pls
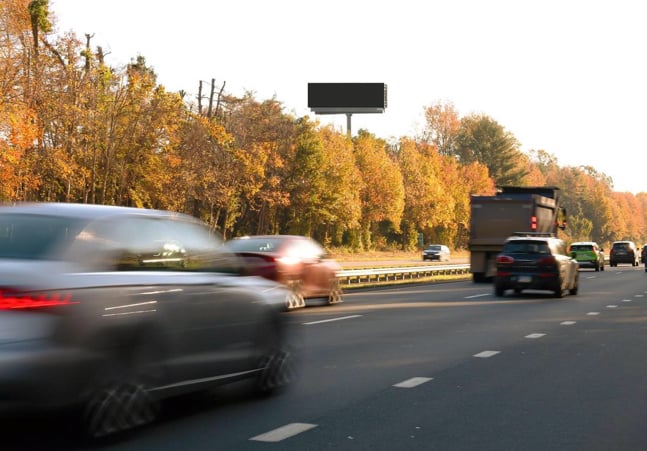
(525, 279)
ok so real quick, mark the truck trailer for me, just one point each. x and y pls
(512, 210)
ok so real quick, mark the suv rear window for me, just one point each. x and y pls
(625, 246)
(34, 237)
(582, 247)
(526, 247)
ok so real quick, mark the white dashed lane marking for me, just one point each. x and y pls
(567, 323)
(535, 335)
(477, 296)
(612, 306)
(626, 300)
(413, 382)
(486, 354)
(593, 313)
(287, 431)
(332, 319)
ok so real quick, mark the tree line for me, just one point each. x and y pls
(75, 129)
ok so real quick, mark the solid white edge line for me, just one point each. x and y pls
(332, 319)
(413, 382)
(476, 296)
(287, 431)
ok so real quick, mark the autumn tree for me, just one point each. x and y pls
(427, 203)
(18, 119)
(442, 125)
(342, 208)
(481, 138)
(381, 189)
(263, 136)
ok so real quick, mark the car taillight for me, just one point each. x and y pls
(13, 300)
(504, 259)
(533, 223)
(547, 261)
(289, 260)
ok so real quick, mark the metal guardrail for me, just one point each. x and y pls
(389, 275)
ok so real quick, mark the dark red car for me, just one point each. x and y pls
(297, 261)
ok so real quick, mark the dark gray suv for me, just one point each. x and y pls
(624, 252)
(535, 262)
(108, 310)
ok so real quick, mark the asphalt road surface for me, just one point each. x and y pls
(445, 366)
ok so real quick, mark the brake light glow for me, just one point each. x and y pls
(547, 261)
(289, 260)
(10, 300)
(504, 259)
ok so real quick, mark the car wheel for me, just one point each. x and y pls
(336, 294)
(576, 284)
(499, 289)
(295, 298)
(278, 366)
(558, 291)
(119, 401)
(597, 267)
(478, 277)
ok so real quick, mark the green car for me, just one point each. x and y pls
(588, 255)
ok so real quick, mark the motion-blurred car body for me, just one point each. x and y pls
(296, 261)
(108, 310)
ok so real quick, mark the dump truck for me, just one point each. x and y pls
(512, 210)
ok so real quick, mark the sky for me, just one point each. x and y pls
(564, 76)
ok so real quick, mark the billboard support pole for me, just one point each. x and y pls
(348, 130)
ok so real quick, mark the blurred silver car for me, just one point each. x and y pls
(109, 310)
(438, 252)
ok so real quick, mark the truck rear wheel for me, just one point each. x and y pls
(478, 277)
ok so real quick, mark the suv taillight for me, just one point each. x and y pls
(14, 300)
(547, 261)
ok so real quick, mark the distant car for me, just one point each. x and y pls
(535, 263)
(624, 252)
(588, 254)
(108, 310)
(296, 261)
(438, 252)
(643, 254)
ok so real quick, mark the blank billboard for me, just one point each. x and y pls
(352, 96)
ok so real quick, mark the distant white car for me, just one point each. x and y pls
(438, 252)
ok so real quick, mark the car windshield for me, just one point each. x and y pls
(254, 244)
(35, 237)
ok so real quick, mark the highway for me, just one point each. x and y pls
(445, 366)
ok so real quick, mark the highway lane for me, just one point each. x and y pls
(551, 374)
